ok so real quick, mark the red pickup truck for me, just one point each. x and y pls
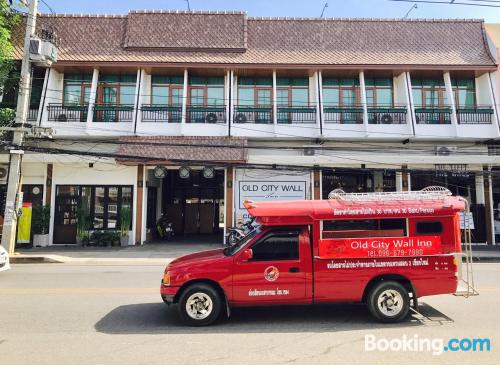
(382, 250)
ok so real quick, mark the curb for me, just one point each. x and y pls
(34, 260)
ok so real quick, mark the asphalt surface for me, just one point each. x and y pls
(112, 314)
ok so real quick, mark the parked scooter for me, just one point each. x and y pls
(234, 234)
(165, 228)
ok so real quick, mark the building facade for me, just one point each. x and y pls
(189, 113)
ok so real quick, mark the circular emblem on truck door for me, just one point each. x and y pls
(271, 273)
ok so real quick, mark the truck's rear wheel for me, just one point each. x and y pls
(389, 301)
(199, 305)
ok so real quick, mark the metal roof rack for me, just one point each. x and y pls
(428, 193)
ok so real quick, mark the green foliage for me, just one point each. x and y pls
(41, 219)
(125, 220)
(7, 115)
(105, 238)
(8, 20)
(82, 221)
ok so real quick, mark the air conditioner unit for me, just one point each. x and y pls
(62, 118)
(240, 118)
(42, 53)
(445, 150)
(4, 171)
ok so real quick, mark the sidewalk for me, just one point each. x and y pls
(153, 253)
(157, 253)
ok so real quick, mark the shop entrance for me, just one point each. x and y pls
(195, 203)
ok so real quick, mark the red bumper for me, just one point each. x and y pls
(168, 293)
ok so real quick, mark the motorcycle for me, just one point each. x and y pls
(234, 234)
(165, 228)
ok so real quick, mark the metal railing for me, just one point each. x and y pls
(387, 115)
(251, 114)
(113, 113)
(33, 113)
(343, 114)
(67, 113)
(206, 114)
(441, 115)
(161, 113)
(296, 115)
(475, 115)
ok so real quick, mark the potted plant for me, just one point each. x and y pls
(40, 225)
(125, 220)
(82, 224)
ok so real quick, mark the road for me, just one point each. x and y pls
(112, 314)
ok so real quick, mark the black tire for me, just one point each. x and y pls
(383, 290)
(202, 290)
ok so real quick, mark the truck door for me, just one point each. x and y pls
(277, 271)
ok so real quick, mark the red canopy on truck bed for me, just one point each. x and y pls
(306, 211)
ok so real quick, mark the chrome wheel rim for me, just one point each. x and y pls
(390, 302)
(199, 306)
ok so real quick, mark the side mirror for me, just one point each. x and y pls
(247, 254)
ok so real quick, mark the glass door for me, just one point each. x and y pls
(65, 217)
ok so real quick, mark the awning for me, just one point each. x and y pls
(181, 150)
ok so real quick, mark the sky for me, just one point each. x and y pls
(290, 8)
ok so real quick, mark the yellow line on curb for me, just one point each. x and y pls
(77, 290)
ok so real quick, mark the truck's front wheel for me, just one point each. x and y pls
(199, 305)
(389, 301)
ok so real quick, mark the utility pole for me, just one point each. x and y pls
(14, 180)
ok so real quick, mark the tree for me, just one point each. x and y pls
(9, 18)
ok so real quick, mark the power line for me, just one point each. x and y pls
(446, 3)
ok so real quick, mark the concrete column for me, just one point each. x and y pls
(274, 100)
(317, 193)
(490, 212)
(185, 97)
(451, 98)
(228, 96)
(399, 181)
(92, 97)
(480, 196)
(364, 104)
(41, 107)
(139, 196)
(408, 181)
(228, 198)
(144, 205)
(319, 100)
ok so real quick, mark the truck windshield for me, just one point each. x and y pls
(230, 251)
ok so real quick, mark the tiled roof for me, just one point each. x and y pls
(188, 148)
(233, 38)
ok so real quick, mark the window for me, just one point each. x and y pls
(341, 91)
(379, 92)
(429, 93)
(167, 90)
(206, 91)
(292, 91)
(116, 89)
(255, 91)
(464, 92)
(363, 228)
(77, 89)
(279, 245)
(429, 228)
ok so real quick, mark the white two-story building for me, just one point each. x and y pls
(189, 113)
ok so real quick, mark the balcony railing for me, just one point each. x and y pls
(433, 115)
(250, 114)
(33, 113)
(343, 114)
(475, 115)
(387, 115)
(113, 113)
(206, 114)
(67, 113)
(161, 113)
(296, 115)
